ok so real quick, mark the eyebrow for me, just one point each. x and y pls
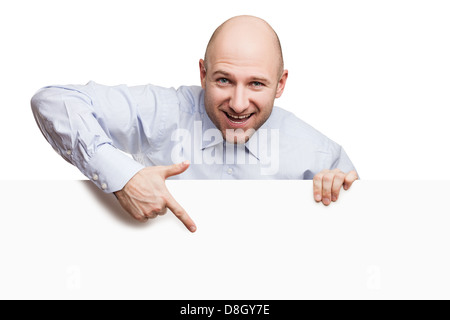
(254, 78)
(226, 74)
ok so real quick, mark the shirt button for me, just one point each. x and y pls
(95, 177)
(69, 152)
(230, 171)
(104, 186)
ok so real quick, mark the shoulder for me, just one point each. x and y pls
(189, 98)
(186, 99)
(299, 135)
(290, 125)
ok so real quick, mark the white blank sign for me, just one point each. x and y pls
(255, 240)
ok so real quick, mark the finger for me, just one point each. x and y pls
(134, 212)
(138, 215)
(317, 185)
(162, 212)
(157, 209)
(181, 214)
(140, 218)
(350, 177)
(176, 169)
(152, 215)
(327, 183)
(337, 185)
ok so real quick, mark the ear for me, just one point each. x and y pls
(202, 73)
(282, 84)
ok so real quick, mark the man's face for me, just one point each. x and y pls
(239, 96)
(241, 79)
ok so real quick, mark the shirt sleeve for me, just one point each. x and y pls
(93, 126)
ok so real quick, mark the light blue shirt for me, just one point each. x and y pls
(94, 127)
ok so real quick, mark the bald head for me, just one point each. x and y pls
(246, 36)
(242, 75)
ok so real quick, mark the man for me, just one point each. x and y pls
(227, 129)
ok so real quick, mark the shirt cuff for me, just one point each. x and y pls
(110, 169)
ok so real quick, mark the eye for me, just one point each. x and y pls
(223, 81)
(257, 84)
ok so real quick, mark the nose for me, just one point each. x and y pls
(239, 101)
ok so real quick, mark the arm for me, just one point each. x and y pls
(76, 121)
(90, 126)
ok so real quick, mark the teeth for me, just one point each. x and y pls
(239, 117)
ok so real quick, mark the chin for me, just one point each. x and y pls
(237, 139)
(237, 136)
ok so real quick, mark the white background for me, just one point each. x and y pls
(371, 75)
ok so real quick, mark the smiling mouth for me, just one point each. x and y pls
(238, 120)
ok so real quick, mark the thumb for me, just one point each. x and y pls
(176, 169)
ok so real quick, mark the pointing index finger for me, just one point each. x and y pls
(181, 214)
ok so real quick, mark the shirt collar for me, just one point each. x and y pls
(258, 143)
(207, 140)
